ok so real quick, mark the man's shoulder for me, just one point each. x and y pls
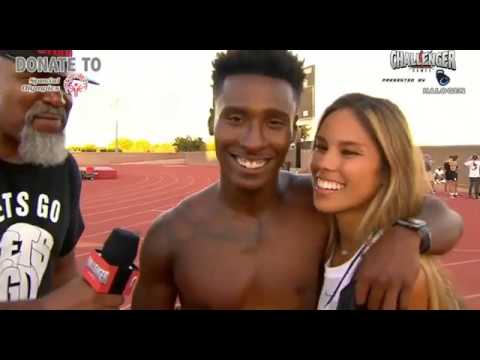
(299, 186)
(299, 204)
(198, 203)
(188, 213)
(74, 175)
(175, 227)
(71, 163)
(298, 193)
(68, 166)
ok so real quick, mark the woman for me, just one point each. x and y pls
(367, 174)
(451, 175)
(429, 168)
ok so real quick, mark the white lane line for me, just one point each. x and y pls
(471, 296)
(462, 262)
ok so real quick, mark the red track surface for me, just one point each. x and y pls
(143, 192)
(463, 262)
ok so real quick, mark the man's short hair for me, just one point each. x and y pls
(278, 64)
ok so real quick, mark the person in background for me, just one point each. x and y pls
(473, 165)
(429, 169)
(451, 176)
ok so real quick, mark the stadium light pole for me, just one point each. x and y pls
(306, 111)
(298, 148)
(115, 104)
(116, 135)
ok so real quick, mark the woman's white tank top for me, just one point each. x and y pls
(336, 278)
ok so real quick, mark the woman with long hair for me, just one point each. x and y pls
(368, 174)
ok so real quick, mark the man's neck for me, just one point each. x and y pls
(251, 202)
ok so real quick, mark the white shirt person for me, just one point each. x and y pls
(474, 174)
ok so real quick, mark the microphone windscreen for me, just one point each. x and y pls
(121, 247)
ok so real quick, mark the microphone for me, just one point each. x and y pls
(111, 270)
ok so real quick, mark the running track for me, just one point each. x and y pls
(463, 262)
(143, 192)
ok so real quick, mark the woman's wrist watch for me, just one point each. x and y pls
(422, 229)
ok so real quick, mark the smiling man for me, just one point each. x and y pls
(254, 240)
(40, 218)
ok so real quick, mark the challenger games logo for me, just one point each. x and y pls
(425, 62)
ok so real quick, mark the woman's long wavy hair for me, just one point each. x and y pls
(404, 182)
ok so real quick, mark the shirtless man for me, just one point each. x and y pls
(254, 239)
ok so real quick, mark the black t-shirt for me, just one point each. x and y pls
(446, 166)
(40, 221)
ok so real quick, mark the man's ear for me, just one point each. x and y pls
(293, 136)
(211, 122)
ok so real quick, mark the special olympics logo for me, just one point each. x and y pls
(75, 83)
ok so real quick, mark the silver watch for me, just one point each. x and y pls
(422, 230)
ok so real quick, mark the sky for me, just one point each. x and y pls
(159, 95)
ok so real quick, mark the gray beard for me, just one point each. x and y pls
(40, 148)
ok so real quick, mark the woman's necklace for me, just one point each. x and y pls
(371, 240)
